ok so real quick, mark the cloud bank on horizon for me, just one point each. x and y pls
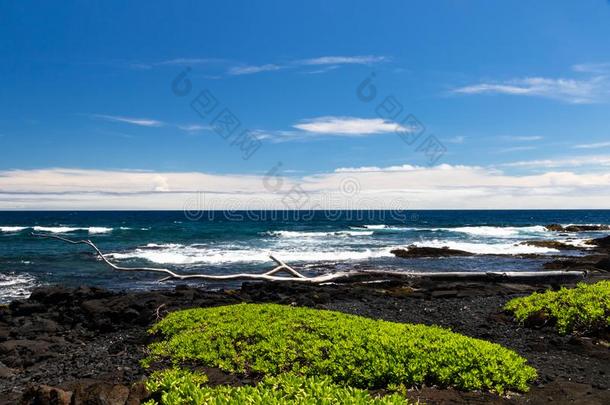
(395, 187)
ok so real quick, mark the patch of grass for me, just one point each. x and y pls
(180, 387)
(584, 309)
(269, 339)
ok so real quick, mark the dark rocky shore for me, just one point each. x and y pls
(84, 345)
(87, 342)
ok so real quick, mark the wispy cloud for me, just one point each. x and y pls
(517, 149)
(348, 126)
(176, 62)
(569, 90)
(575, 161)
(324, 64)
(342, 60)
(235, 68)
(592, 67)
(151, 123)
(523, 138)
(593, 86)
(459, 139)
(333, 126)
(193, 127)
(592, 145)
(248, 70)
(143, 122)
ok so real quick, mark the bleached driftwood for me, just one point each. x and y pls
(377, 275)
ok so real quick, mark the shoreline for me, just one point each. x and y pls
(89, 341)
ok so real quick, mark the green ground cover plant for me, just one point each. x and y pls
(270, 339)
(180, 387)
(584, 309)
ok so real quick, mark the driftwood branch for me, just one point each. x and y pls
(366, 275)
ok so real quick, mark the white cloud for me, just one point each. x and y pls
(517, 149)
(188, 61)
(523, 138)
(143, 122)
(193, 127)
(456, 139)
(247, 70)
(576, 161)
(326, 62)
(592, 67)
(592, 145)
(176, 62)
(575, 91)
(342, 60)
(348, 126)
(405, 187)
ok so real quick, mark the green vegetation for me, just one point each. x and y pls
(269, 340)
(584, 309)
(179, 387)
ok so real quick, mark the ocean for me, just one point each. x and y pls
(238, 241)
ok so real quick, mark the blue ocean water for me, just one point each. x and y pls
(238, 241)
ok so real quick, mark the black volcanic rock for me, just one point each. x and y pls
(603, 264)
(577, 228)
(414, 251)
(551, 244)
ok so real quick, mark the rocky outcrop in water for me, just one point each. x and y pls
(414, 251)
(550, 244)
(577, 228)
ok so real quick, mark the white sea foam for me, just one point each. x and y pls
(68, 229)
(486, 248)
(497, 231)
(14, 286)
(99, 229)
(12, 228)
(486, 231)
(296, 234)
(185, 255)
(384, 227)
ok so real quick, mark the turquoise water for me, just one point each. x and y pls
(228, 242)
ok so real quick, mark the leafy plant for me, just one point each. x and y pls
(180, 387)
(269, 339)
(584, 309)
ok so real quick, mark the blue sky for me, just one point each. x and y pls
(515, 93)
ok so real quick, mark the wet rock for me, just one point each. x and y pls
(577, 228)
(99, 393)
(603, 243)
(35, 327)
(550, 244)
(603, 264)
(45, 395)
(414, 251)
(24, 308)
(17, 353)
(6, 372)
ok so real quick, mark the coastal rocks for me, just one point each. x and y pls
(23, 353)
(414, 251)
(45, 395)
(603, 243)
(576, 228)
(550, 244)
(85, 391)
(90, 365)
(603, 264)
